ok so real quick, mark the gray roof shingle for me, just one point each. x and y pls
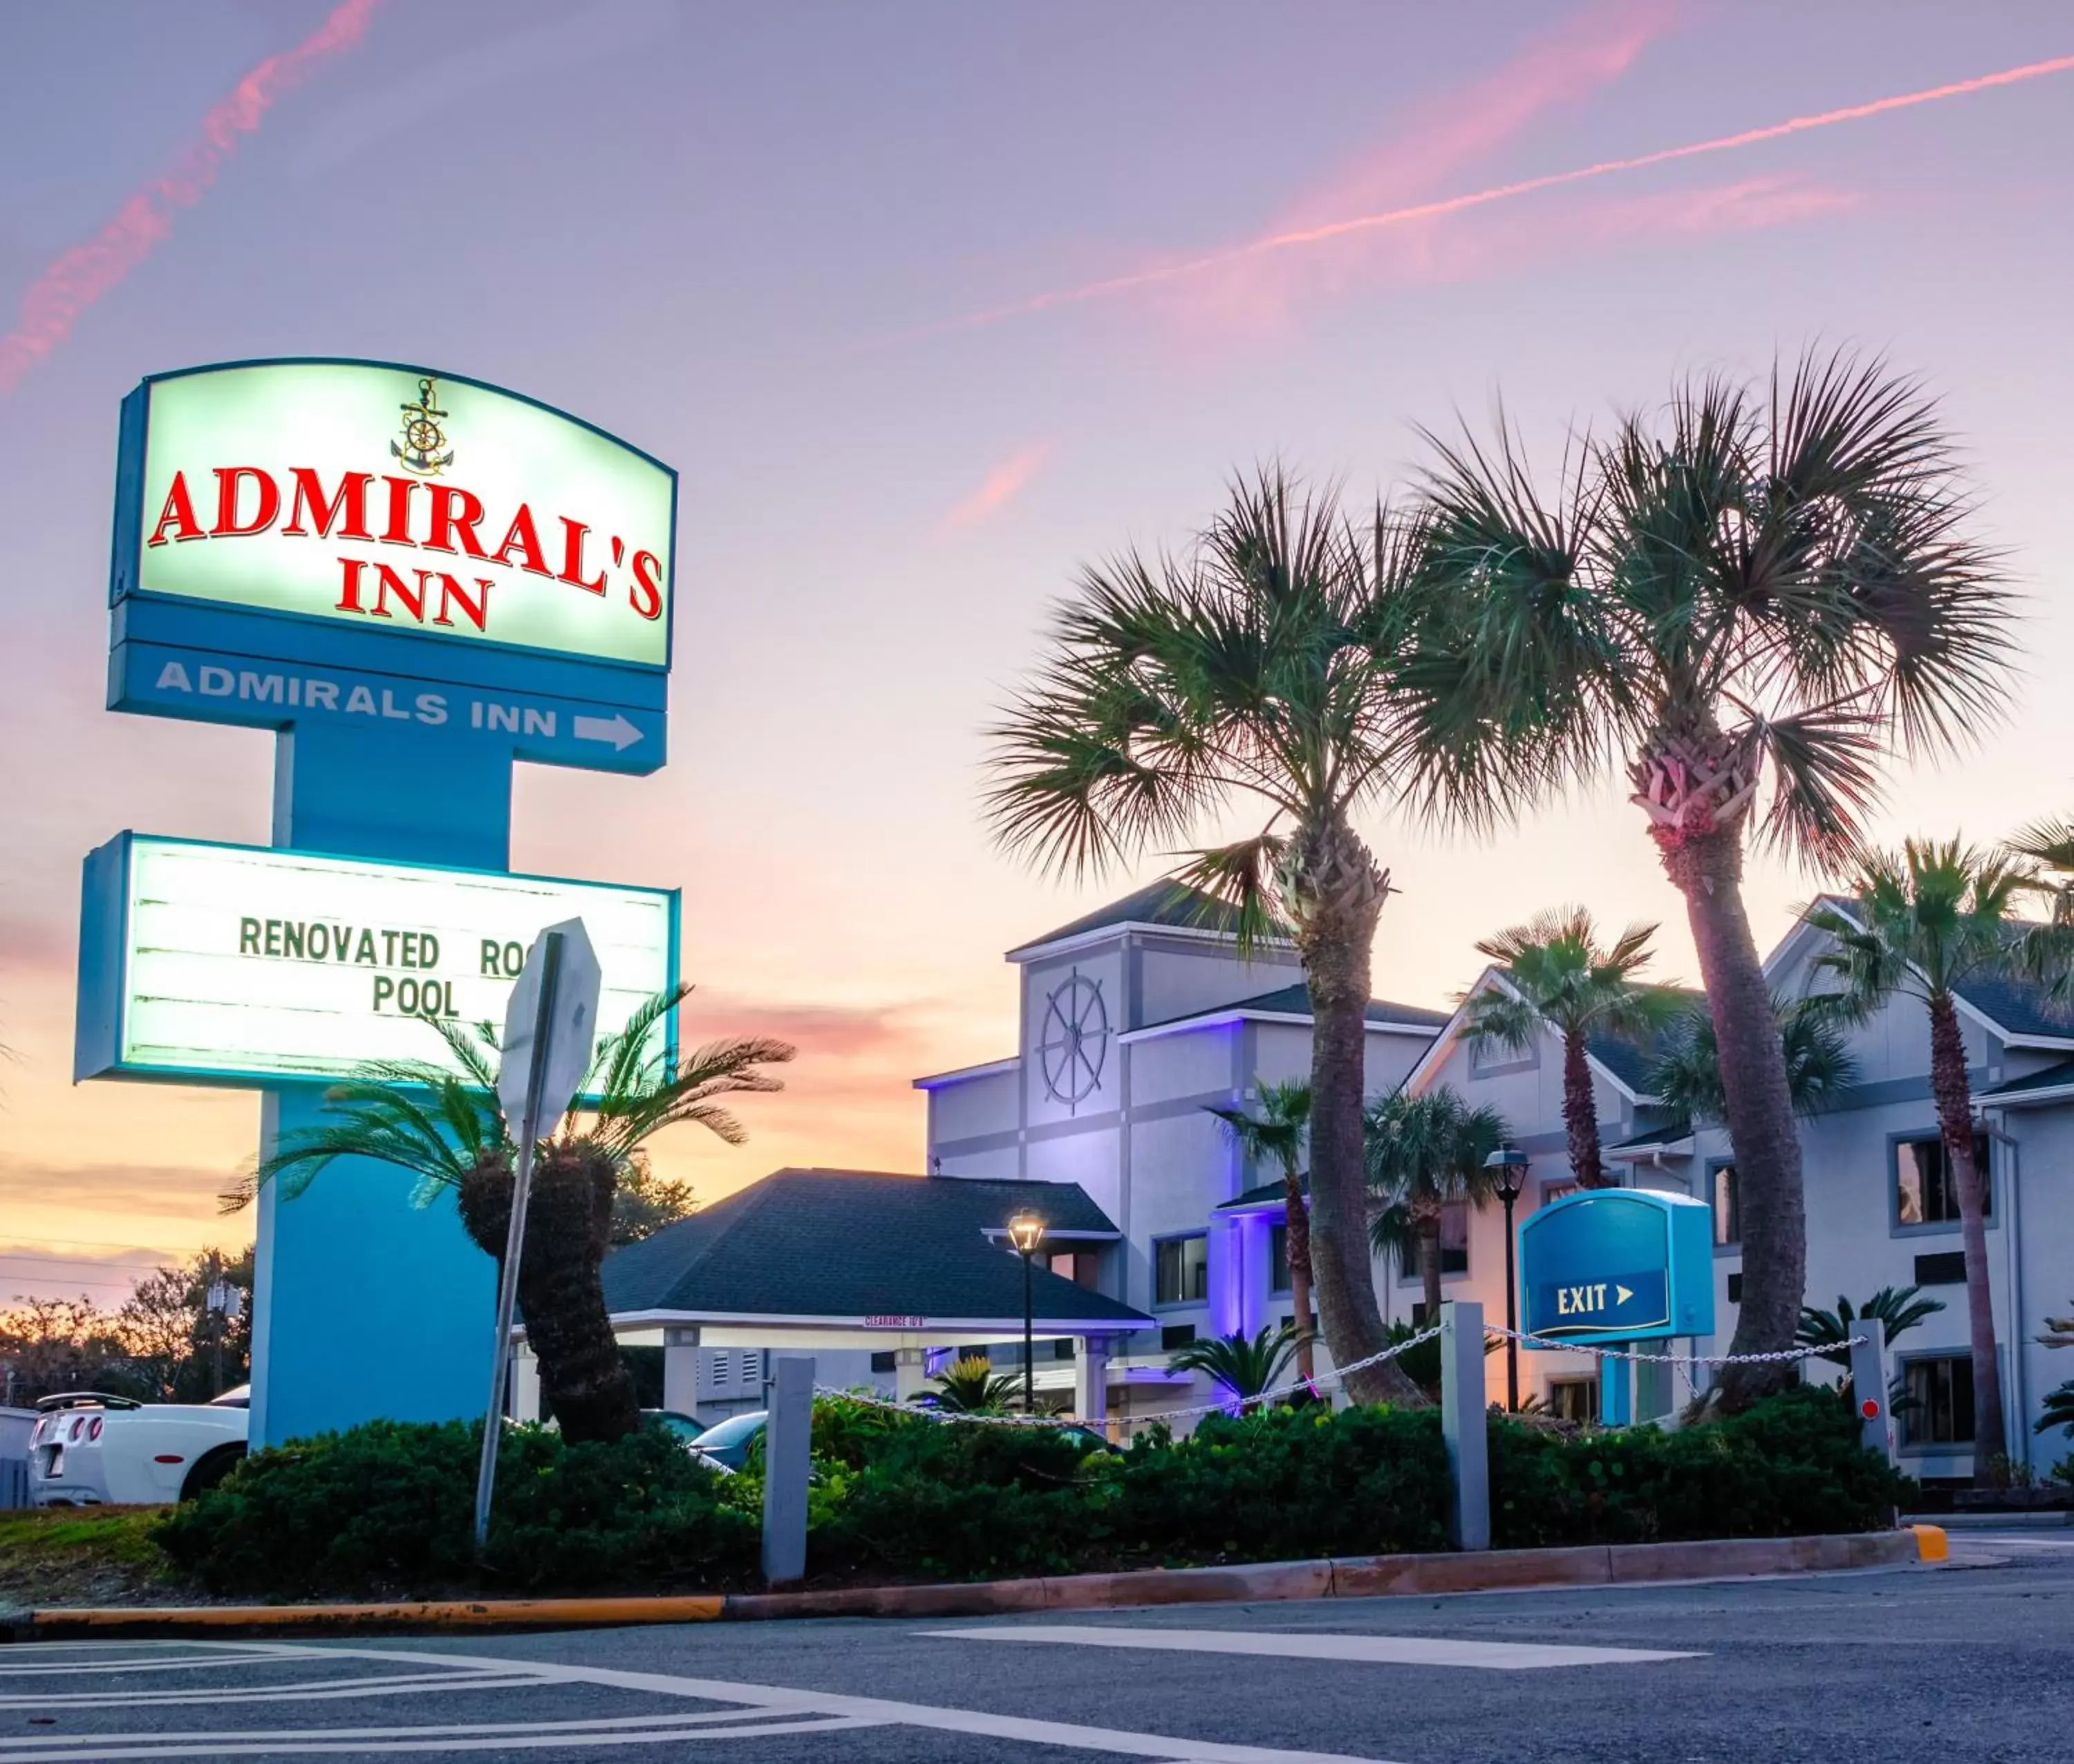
(850, 1243)
(1164, 903)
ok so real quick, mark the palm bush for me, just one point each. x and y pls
(446, 1127)
(1821, 1068)
(970, 1385)
(1256, 674)
(1749, 582)
(1898, 1309)
(1557, 977)
(1242, 1365)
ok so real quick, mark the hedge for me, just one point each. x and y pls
(386, 1507)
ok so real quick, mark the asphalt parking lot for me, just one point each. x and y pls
(1967, 1663)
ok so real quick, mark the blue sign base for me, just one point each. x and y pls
(365, 1306)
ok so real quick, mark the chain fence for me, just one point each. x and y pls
(1124, 1425)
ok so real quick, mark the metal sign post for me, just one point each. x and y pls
(549, 1033)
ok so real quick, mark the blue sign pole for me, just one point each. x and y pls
(364, 1305)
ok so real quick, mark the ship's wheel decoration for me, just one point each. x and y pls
(422, 436)
(1075, 1041)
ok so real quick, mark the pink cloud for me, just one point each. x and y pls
(1409, 215)
(999, 488)
(82, 274)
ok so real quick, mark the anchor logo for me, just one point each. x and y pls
(423, 437)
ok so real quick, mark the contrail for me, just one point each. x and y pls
(1501, 192)
(86, 272)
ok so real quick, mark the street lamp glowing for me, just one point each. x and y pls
(1026, 1231)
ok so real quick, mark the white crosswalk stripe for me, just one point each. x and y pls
(1320, 1645)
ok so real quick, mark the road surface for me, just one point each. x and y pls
(1969, 1663)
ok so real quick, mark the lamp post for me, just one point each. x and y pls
(1026, 1231)
(1508, 1166)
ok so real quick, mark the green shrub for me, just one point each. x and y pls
(387, 1508)
(1789, 1466)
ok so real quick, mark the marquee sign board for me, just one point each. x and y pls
(420, 528)
(235, 964)
(1618, 1264)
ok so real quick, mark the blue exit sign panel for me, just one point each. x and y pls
(1623, 1264)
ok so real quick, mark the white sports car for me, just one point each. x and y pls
(90, 1450)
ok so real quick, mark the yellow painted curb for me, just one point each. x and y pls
(1932, 1545)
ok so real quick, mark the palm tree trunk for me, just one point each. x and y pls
(1580, 1114)
(1705, 863)
(584, 1382)
(1429, 1267)
(1948, 1084)
(1296, 1237)
(1334, 893)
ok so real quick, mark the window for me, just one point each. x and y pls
(1735, 1289)
(1560, 1191)
(1454, 1237)
(1574, 1399)
(1947, 1270)
(882, 1362)
(1728, 1207)
(1924, 1193)
(1181, 1270)
(1064, 1348)
(1278, 1259)
(1176, 1335)
(1939, 1409)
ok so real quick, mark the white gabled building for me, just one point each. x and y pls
(1137, 1017)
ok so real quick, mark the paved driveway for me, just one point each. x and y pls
(1968, 1663)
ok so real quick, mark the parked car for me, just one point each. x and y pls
(728, 1445)
(88, 1448)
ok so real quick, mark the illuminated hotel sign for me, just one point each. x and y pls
(236, 965)
(389, 499)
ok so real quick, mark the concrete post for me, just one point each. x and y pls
(525, 1384)
(910, 1373)
(1091, 1380)
(1868, 1382)
(1462, 1424)
(680, 1368)
(788, 1438)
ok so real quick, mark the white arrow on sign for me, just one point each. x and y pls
(1621, 1293)
(614, 729)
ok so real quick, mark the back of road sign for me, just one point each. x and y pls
(572, 1030)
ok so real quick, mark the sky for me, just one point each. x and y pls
(930, 304)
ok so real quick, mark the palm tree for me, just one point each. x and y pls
(1899, 1308)
(1245, 1366)
(1278, 1131)
(970, 1385)
(1425, 1153)
(1557, 977)
(1775, 581)
(1821, 1068)
(1255, 674)
(445, 1126)
(1923, 922)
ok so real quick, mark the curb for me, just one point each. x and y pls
(1371, 1577)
